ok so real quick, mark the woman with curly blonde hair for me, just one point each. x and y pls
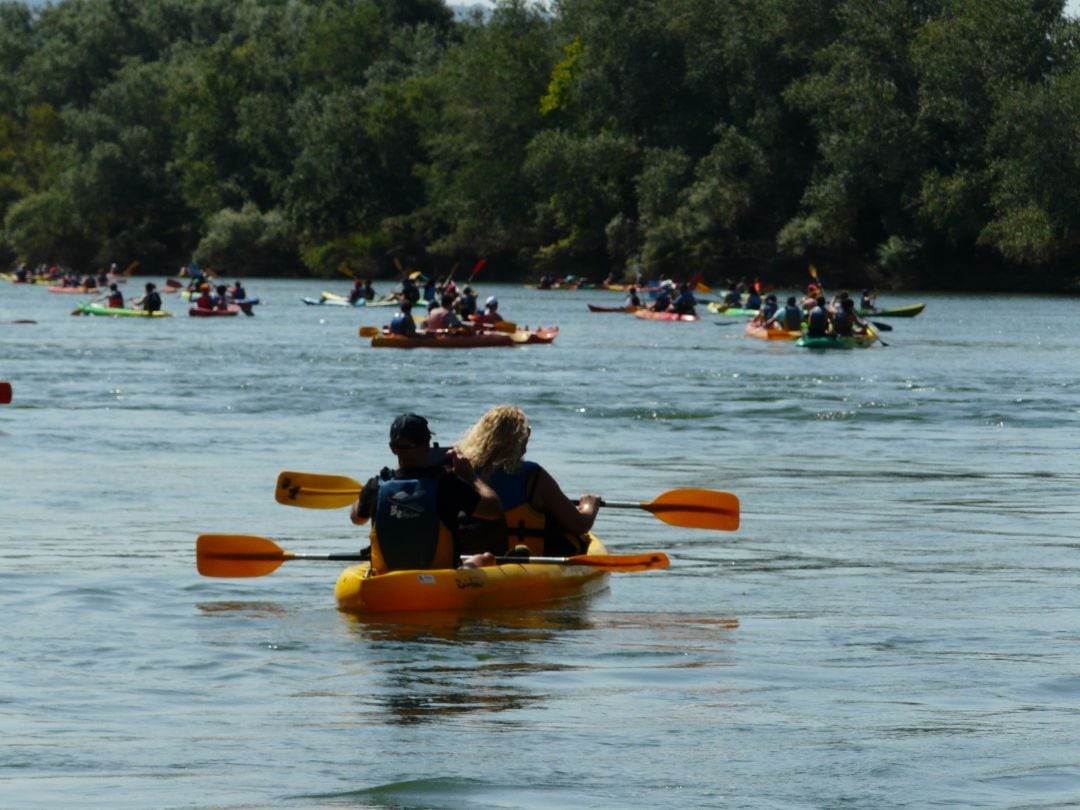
(538, 514)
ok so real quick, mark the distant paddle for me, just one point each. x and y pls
(688, 508)
(5, 392)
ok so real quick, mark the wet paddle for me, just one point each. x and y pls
(609, 562)
(245, 555)
(688, 508)
(5, 392)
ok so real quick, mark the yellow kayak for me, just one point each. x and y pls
(507, 585)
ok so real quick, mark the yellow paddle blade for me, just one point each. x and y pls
(237, 555)
(696, 509)
(505, 326)
(312, 491)
(369, 331)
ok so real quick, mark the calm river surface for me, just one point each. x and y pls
(895, 624)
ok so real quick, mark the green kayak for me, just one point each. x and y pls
(114, 312)
(717, 308)
(836, 342)
(909, 311)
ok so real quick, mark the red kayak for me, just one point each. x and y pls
(649, 315)
(199, 312)
(595, 308)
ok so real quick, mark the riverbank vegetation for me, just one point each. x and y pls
(891, 143)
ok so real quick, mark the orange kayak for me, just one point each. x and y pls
(756, 330)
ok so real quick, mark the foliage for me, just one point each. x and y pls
(881, 139)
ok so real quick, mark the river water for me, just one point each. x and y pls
(894, 624)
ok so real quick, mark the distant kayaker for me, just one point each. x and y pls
(789, 318)
(685, 302)
(767, 313)
(538, 514)
(402, 323)
(663, 298)
(846, 321)
(443, 316)
(151, 299)
(421, 511)
(632, 300)
(732, 298)
(817, 321)
(221, 300)
(357, 292)
(409, 291)
(116, 298)
(204, 300)
(490, 316)
(466, 303)
(867, 301)
(753, 300)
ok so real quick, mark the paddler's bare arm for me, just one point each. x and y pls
(573, 517)
(489, 507)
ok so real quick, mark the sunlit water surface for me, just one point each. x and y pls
(895, 623)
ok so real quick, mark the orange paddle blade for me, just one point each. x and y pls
(622, 562)
(237, 555)
(692, 508)
(369, 331)
(313, 491)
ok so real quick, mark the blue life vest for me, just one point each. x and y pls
(526, 525)
(842, 323)
(406, 531)
(817, 322)
(398, 324)
(792, 318)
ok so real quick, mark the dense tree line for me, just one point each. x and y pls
(892, 142)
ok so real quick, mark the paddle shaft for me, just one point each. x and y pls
(607, 562)
(285, 556)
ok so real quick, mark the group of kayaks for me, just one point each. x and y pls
(755, 329)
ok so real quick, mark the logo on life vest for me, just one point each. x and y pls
(407, 506)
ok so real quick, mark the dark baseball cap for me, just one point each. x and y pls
(410, 428)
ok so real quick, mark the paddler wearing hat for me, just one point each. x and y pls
(420, 510)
